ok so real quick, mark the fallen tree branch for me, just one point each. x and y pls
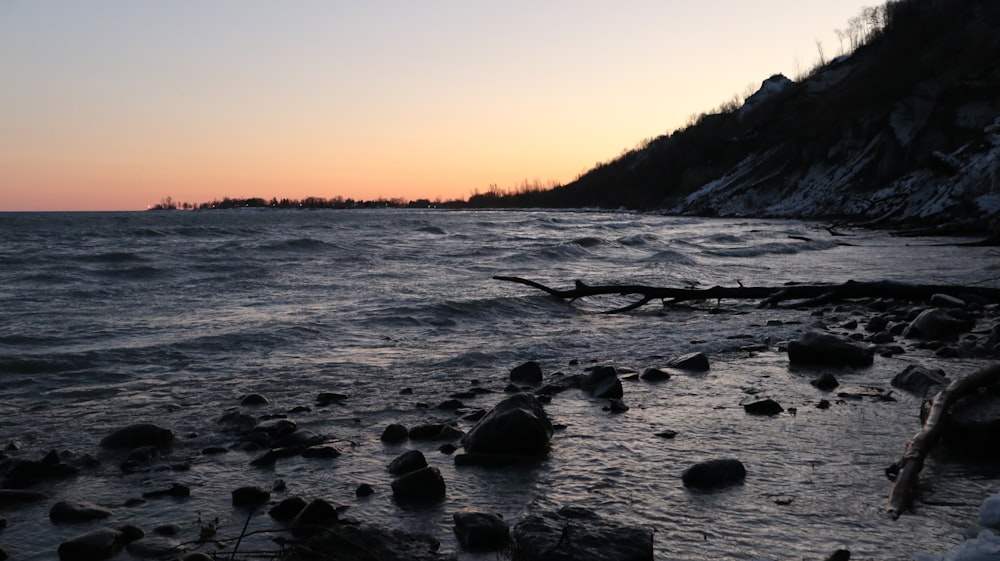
(905, 472)
(807, 295)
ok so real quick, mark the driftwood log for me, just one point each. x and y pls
(905, 472)
(804, 295)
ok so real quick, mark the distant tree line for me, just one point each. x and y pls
(167, 203)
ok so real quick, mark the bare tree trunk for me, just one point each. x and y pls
(905, 473)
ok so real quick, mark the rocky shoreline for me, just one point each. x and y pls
(515, 431)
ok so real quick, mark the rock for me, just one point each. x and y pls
(298, 439)
(939, 324)
(667, 434)
(824, 349)
(451, 405)
(254, 399)
(516, 426)
(877, 324)
(695, 362)
(424, 485)
(316, 515)
(974, 424)
(322, 452)
(22, 473)
(654, 375)
(713, 474)
(603, 382)
(528, 373)
(368, 542)
(839, 555)
(919, 380)
(141, 434)
(408, 461)
(154, 547)
(763, 407)
(825, 381)
(395, 433)
(13, 497)
(480, 530)
(250, 497)
(76, 511)
(95, 545)
(326, 398)
(616, 405)
(435, 431)
(364, 490)
(577, 534)
(176, 490)
(989, 513)
(947, 301)
(287, 509)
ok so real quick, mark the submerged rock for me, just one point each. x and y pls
(97, 544)
(528, 373)
(76, 511)
(695, 362)
(763, 407)
(424, 485)
(579, 534)
(920, 380)
(714, 474)
(363, 541)
(603, 382)
(141, 434)
(408, 461)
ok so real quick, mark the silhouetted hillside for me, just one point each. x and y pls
(904, 130)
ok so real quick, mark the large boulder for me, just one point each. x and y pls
(824, 349)
(939, 324)
(603, 382)
(516, 426)
(480, 530)
(714, 474)
(577, 534)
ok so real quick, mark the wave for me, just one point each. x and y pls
(135, 273)
(638, 240)
(115, 257)
(671, 257)
(17, 365)
(432, 230)
(298, 244)
(782, 248)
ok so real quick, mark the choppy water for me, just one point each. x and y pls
(171, 317)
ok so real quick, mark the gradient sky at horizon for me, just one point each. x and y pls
(115, 104)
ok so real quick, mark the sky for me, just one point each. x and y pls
(116, 104)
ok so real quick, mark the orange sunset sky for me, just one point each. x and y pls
(115, 104)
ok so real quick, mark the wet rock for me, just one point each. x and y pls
(974, 424)
(603, 382)
(435, 431)
(363, 541)
(480, 530)
(287, 509)
(654, 375)
(877, 324)
(825, 381)
(839, 555)
(364, 490)
(989, 513)
(763, 407)
(714, 474)
(141, 434)
(237, 420)
(617, 406)
(939, 324)
(919, 380)
(451, 405)
(668, 434)
(695, 362)
(824, 349)
(316, 515)
(197, 556)
(424, 485)
(528, 373)
(22, 473)
(326, 398)
(14, 497)
(321, 452)
(395, 433)
(250, 497)
(298, 439)
(947, 301)
(253, 400)
(76, 511)
(578, 534)
(95, 545)
(154, 547)
(177, 491)
(408, 461)
(518, 426)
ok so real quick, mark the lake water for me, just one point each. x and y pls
(171, 317)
